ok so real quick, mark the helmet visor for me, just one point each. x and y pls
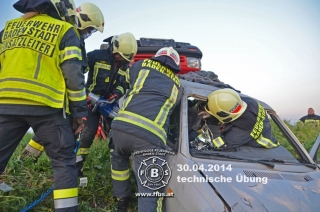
(92, 30)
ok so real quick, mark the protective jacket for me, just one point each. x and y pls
(154, 92)
(40, 79)
(106, 76)
(252, 128)
(310, 119)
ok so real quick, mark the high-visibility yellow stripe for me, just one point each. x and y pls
(164, 111)
(127, 75)
(311, 121)
(143, 123)
(120, 175)
(83, 151)
(65, 193)
(76, 95)
(159, 204)
(36, 145)
(138, 85)
(102, 66)
(218, 142)
(121, 72)
(69, 53)
(120, 89)
(267, 143)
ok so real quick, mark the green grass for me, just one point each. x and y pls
(306, 133)
(30, 180)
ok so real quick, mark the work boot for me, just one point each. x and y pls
(31, 153)
(123, 203)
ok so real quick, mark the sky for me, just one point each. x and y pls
(267, 49)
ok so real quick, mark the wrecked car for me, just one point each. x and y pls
(249, 179)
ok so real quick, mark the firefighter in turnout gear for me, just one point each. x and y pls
(244, 121)
(106, 78)
(311, 118)
(143, 121)
(41, 82)
(90, 20)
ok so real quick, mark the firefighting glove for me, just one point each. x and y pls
(113, 96)
(78, 125)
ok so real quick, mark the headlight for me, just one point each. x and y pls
(194, 62)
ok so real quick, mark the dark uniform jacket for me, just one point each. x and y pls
(106, 76)
(310, 119)
(252, 128)
(154, 93)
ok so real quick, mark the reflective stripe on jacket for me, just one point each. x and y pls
(313, 119)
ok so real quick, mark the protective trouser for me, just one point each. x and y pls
(35, 148)
(56, 134)
(87, 136)
(124, 144)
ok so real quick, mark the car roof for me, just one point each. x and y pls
(201, 91)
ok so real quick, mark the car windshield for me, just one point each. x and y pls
(288, 152)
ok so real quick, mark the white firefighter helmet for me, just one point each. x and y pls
(90, 15)
(170, 52)
(226, 105)
(125, 44)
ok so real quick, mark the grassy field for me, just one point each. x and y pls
(30, 180)
(306, 133)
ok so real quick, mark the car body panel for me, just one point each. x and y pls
(190, 195)
(282, 191)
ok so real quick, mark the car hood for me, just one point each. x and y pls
(256, 190)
